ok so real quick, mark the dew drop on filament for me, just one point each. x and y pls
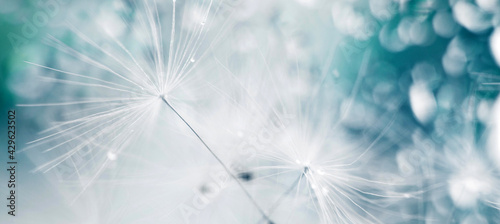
(111, 156)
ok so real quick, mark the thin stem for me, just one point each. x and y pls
(278, 202)
(218, 159)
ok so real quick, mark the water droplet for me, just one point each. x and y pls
(192, 60)
(336, 73)
(240, 134)
(111, 156)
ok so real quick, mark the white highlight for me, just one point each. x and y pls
(423, 102)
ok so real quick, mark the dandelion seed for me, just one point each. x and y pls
(142, 81)
(309, 150)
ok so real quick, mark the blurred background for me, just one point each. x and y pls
(434, 63)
